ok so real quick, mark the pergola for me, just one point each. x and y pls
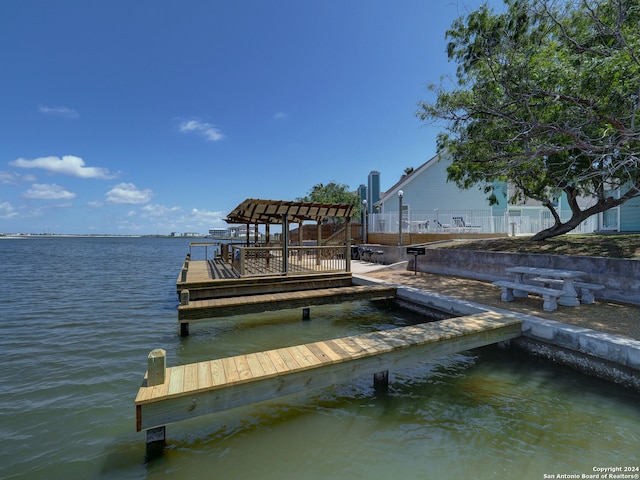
(270, 212)
(258, 211)
(267, 212)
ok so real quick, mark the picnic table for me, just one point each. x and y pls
(539, 280)
(566, 278)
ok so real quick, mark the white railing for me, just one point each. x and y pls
(435, 220)
(255, 261)
(524, 224)
(472, 221)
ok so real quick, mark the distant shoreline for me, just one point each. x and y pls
(111, 235)
(86, 235)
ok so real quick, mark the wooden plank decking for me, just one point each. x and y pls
(202, 388)
(225, 307)
(235, 286)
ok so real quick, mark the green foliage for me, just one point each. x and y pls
(547, 96)
(333, 193)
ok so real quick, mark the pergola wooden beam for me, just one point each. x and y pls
(262, 212)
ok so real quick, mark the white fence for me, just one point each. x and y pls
(471, 221)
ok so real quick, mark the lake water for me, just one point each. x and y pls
(80, 315)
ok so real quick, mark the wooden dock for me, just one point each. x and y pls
(209, 289)
(169, 395)
(204, 287)
(242, 305)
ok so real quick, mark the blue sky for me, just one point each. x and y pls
(146, 117)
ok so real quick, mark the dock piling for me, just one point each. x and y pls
(156, 367)
(184, 297)
(184, 329)
(156, 375)
(381, 382)
(184, 300)
(306, 313)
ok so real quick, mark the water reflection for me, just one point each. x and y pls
(476, 415)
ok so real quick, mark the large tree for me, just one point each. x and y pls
(333, 192)
(546, 97)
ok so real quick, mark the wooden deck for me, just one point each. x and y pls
(242, 305)
(207, 270)
(188, 391)
(205, 288)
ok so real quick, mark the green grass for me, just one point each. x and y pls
(594, 245)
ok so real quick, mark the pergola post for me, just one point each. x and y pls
(300, 239)
(347, 245)
(285, 244)
(318, 242)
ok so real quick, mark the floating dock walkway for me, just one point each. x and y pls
(170, 395)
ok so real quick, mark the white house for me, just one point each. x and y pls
(430, 203)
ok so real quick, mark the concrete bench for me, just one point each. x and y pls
(586, 289)
(550, 295)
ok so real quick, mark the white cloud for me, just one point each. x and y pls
(205, 216)
(128, 193)
(7, 211)
(42, 191)
(67, 165)
(160, 210)
(280, 116)
(65, 112)
(11, 178)
(208, 131)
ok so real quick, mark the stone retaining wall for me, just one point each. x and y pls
(621, 277)
(610, 357)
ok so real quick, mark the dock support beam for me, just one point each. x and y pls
(381, 382)
(306, 313)
(184, 300)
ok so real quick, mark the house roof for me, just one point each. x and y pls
(405, 179)
(271, 211)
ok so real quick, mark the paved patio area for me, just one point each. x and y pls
(605, 316)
